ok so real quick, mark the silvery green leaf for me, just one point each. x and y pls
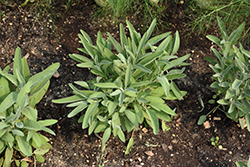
(106, 85)
(86, 36)
(230, 93)
(121, 135)
(223, 102)
(8, 101)
(235, 35)
(97, 95)
(165, 84)
(127, 75)
(146, 36)
(68, 99)
(85, 65)
(247, 118)
(130, 145)
(91, 108)
(121, 98)
(163, 116)
(30, 113)
(116, 92)
(142, 100)
(164, 43)
(139, 84)
(156, 39)
(77, 91)
(105, 137)
(87, 46)
(142, 68)
(176, 62)
(231, 108)
(10, 77)
(48, 130)
(132, 117)
(8, 137)
(236, 83)
(223, 84)
(176, 90)
(101, 118)
(24, 146)
(154, 120)
(222, 28)
(3, 125)
(80, 58)
(214, 39)
(8, 156)
(2, 132)
(123, 37)
(37, 139)
(47, 122)
(164, 126)
(19, 124)
(202, 119)
(32, 125)
(164, 108)
(115, 44)
(176, 43)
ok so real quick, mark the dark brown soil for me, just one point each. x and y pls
(185, 144)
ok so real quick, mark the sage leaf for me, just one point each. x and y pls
(105, 137)
(130, 145)
(92, 107)
(154, 120)
(24, 146)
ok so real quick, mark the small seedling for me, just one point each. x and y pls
(215, 142)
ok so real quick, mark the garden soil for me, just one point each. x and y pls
(185, 144)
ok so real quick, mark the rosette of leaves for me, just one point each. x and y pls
(131, 83)
(231, 76)
(19, 93)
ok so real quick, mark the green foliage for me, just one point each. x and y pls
(203, 15)
(242, 164)
(130, 83)
(232, 75)
(145, 10)
(215, 142)
(19, 93)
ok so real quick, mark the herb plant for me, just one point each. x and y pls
(203, 14)
(242, 164)
(131, 83)
(231, 76)
(215, 142)
(19, 94)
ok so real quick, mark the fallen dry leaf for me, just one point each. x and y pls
(144, 130)
(207, 125)
(164, 146)
(149, 153)
(56, 75)
(170, 147)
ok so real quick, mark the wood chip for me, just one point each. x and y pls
(149, 153)
(144, 130)
(27, 56)
(207, 125)
(170, 147)
(164, 146)
(217, 118)
(56, 75)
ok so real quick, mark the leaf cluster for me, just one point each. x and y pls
(131, 82)
(19, 93)
(232, 75)
(242, 164)
(204, 12)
